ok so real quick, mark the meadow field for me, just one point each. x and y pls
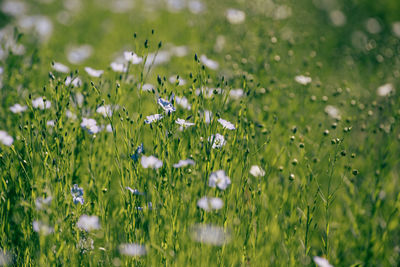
(199, 133)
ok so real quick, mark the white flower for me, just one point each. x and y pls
(184, 123)
(183, 102)
(90, 125)
(77, 55)
(173, 80)
(42, 202)
(109, 128)
(236, 93)
(210, 234)
(93, 72)
(218, 140)
(148, 87)
(6, 139)
(321, 262)
(196, 6)
(209, 63)
(88, 223)
(235, 16)
(40, 103)
(5, 258)
(257, 171)
(153, 118)
(166, 105)
(207, 116)
(118, 67)
(332, 111)
(210, 203)
(385, 89)
(219, 179)
(396, 28)
(75, 82)
(151, 162)
(60, 67)
(160, 58)
(304, 80)
(70, 115)
(106, 111)
(17, 108)
(51, 123)
(226, 124)
(42, 228)
(132, 250)
(132, 58)
(184, 163)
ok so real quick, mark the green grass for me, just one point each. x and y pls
(331, 185)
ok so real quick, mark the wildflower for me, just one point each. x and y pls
(75, 82)
(210, 234)
(184, 123)
(166, 105)
(106, 111)
(60, 67)
(42, 202)
(235, 16)
(207, 116)
(138, 152)
(304, 80)
(157, 59)
(42, 228)
(134, 191)
(93, 72)
(153, 118)
(88, 223)
(183, 102)
(6, 139)
(210, 203)
(226, 124)
(184, 163)
(132, 249)
(257, 171)
(321, 262)
(109, 128)
(70, 115)
(77, 194)
(236, 93)
(85, 244)
(41, 103)
(90, 125)
(5, 258)
(77, 55)
(17, 108)
(132, 58)
(148, 87)
(173, 80)
(151, 162)
(219, 179)
(118, 67)
(332, 111)
(196, 6)
(51, 123)
(385, 89)
(218, 140)
(209, 63)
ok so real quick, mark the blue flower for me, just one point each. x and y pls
(138, 152)
(77, 194)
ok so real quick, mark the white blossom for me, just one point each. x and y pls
(132, 58)
(88, 223)
(6, 139)
(257, 171)
(132, 250)
(209, 63)
(153, 118)
(385, 89)
(60, 67)
(17, 108)
(219, 179)
(151, 162)
(94, 73)
(210, 203)
(40, 103)
(304, 80)
(184, 163)
(226, 124)
(217, 140)
(235, 16)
